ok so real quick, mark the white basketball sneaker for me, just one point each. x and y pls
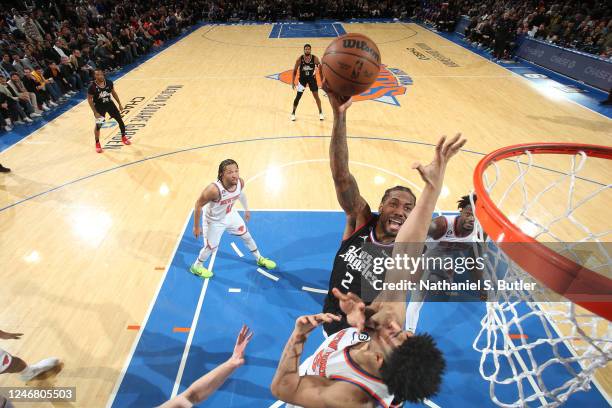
(293, 117)
(37, 369)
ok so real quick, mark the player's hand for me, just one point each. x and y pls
(433, 173)
(305, 324)
(10, 336)
(245, 335)
(247, 215)
(197, 231)
(120, 107)
(353, 307)
(338, 103)
(384, 320)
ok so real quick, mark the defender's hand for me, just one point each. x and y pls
(433, 173)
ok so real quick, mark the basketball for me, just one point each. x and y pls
(350, 64)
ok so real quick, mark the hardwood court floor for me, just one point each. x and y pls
(84, 238)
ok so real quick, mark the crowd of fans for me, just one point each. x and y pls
(274, 10)
(495, 24)
(50, 49)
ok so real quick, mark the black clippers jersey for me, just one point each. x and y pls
(307, 69)
(353, 269)
(101, 94)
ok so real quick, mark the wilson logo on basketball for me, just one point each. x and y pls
(390, 84)
(361, 45)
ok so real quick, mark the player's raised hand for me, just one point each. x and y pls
(245, 335)
(433, 173)
(305, 324)
(338, 103)
(10, 336)
(353, 307)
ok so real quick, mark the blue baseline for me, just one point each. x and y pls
(304, 244)
(306, 30)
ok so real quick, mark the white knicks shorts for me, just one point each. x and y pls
(212, 230)
(5, 360)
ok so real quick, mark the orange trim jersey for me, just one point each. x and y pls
(332, 360)
(217, 210)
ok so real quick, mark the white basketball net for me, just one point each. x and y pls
(576, 342)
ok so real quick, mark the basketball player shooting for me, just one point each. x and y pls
(99, 98)
(220, 215)
(363, 228)
(382, 363)
(307, 64)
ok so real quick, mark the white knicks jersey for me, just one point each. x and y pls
(332, 360)
(216, 210)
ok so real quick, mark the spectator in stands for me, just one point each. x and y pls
(83, 69)
(50, 85)
(56, 74)
(19, 111)
(105, 59)
(503, 35)
(27, 99)
(70, 74)
(7, 65)
(38, 89)
(60, 50)
(19, 64)
(32, 29)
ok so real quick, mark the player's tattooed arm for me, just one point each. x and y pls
(347, 191)
(210, 193)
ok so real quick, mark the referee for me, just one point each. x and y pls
(99, 98)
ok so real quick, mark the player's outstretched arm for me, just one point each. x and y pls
(412, 234)
(311, 391)
(210, 382)
(347, 191)
(210, 193)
